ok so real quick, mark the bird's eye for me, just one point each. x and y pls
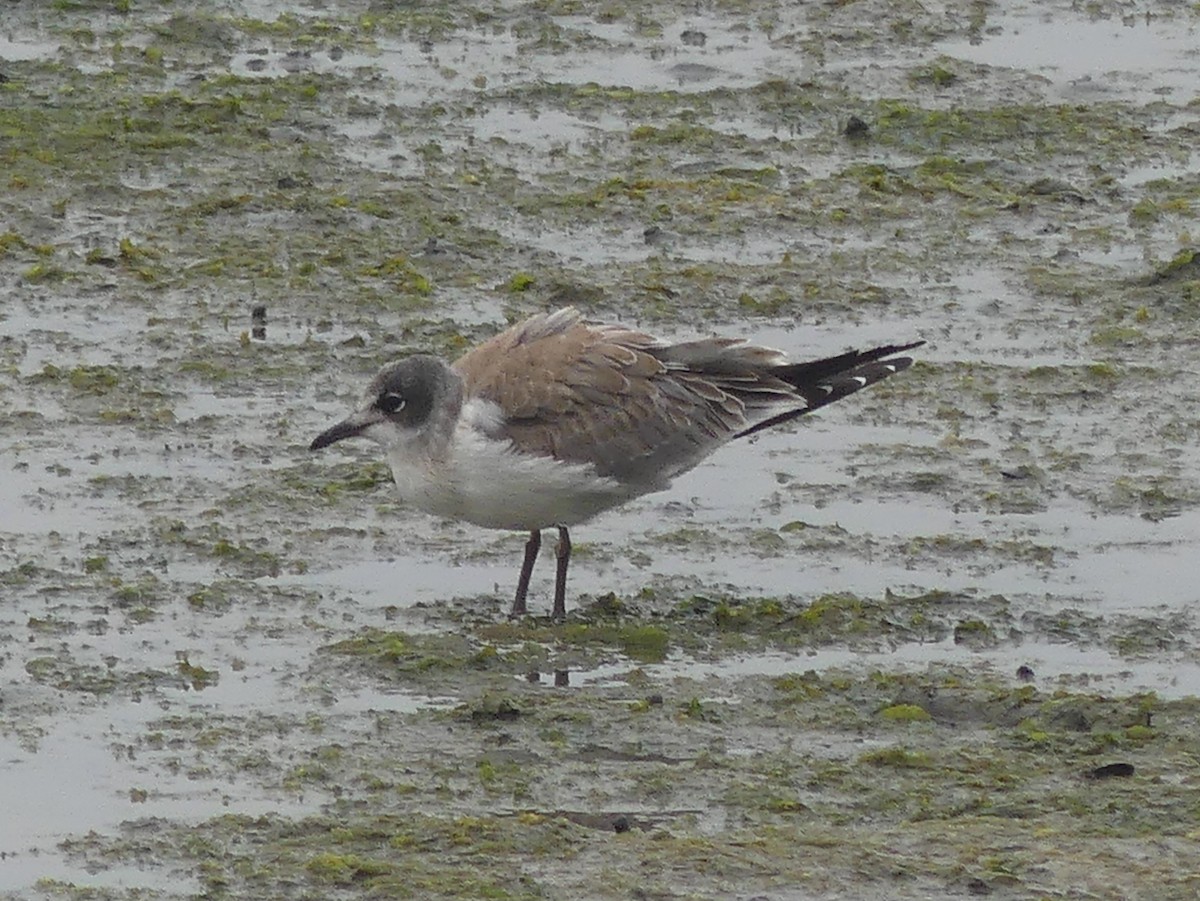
(390, 403)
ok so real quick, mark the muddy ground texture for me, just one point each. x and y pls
(938, 642)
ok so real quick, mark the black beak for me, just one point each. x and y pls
(347, 428)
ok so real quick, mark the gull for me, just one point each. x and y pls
(558, 419)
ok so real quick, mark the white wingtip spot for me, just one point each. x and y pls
(862, 382)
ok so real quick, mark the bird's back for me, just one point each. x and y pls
(636, 408)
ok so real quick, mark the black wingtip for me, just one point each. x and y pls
(821, 382)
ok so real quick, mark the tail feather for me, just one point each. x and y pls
(821, 382)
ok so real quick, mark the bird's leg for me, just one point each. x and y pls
(563, 553)
(532, 546)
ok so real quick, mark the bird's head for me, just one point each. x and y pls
(406, 401)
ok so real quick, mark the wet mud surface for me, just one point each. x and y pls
(938, 642)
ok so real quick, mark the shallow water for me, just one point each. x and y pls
(182, 579)
(1144, 58)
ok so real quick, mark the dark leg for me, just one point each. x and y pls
(563, 553)
(532, 546)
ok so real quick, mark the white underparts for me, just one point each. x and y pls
(482, 480)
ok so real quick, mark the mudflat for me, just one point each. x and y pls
(939, 641)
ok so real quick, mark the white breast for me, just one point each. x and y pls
(482, 480)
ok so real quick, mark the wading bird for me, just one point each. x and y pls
(556, 420)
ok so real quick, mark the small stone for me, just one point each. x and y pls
(1111, 771)
(856, 129)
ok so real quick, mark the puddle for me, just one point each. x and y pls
(1053, 665)
(1143, 58)
(107, 768)
(408, 580)
(1175, 171)
(24, 49)
(600, 244)
(79, 779)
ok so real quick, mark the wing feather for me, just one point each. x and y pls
(636, 408)
(641, 410)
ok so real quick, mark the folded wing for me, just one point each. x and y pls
(638, 409)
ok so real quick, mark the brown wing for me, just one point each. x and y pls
(638, 409)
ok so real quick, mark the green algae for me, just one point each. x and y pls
(399, 653)
(981, 790)
(728, 786)
(905, 713)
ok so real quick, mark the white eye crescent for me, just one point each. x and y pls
(390, 403)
